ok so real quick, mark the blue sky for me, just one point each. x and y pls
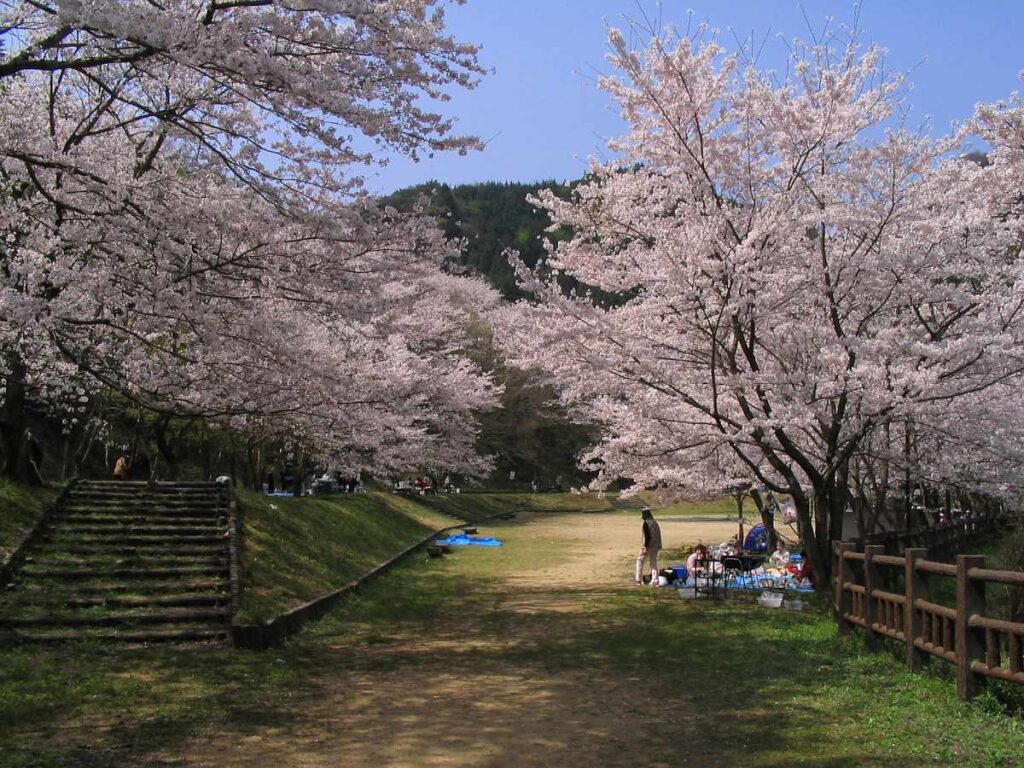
(543, 116)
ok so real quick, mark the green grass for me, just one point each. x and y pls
(296, 549)
(778, 688)
(479, 506)
(98, 707)
(762, 688)
(20, 507)
(724, 507)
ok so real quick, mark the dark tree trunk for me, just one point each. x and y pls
(813, 547)
(160, 432)
(16, 464)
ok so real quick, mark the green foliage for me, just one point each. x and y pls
(532, 435)
(491, 217)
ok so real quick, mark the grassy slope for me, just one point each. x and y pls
(296, 549)
(20, 507)
(478, 506)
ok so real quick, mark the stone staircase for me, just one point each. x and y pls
(126, 561)
(620, 503)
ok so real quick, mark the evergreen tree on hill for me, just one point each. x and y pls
(530, 434)
(491, 217)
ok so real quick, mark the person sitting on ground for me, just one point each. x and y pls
(804, 574)
(780, 557)
(697, 562)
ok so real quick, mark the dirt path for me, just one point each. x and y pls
(503, 674)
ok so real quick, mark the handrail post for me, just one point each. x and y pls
(970, 644)
(870, 582)
(915, 586)
(842, 595)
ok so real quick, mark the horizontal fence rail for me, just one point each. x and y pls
(948, 537)
(892, 597)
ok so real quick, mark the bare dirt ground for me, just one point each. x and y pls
(603, 548)
(480, 685)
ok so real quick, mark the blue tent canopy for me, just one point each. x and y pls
(757, 539)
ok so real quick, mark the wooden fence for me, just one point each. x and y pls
(948, 538)
(979, 645)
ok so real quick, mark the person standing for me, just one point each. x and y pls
(649, 549)
(121, 468)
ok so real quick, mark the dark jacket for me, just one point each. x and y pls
(652, 534)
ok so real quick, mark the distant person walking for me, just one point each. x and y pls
(649, 549)
(121, 468)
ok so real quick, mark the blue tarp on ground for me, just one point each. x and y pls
(757, 580)
(462, 540)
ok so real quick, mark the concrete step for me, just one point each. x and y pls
(140, 539)
(126, 573)
(627, 504)
(177, 600)
(70, 535)
(154, 516)
(141, 502)
(195, 634)
(99, 563)
(190, 616)
(150, 550)
(117, 521)
(75, 589)
(156, 487)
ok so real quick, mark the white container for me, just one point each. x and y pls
(795, 605)
(770, 600)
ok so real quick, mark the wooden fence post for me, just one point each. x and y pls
(915, 585)
(870, 583)
(970, 643)
(842, 595)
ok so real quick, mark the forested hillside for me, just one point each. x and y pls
(492, 217)
(529, 435)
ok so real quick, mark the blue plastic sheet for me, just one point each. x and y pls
(759, 581)
(462, 540)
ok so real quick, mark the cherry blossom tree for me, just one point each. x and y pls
(797, 270)
(184, 222)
